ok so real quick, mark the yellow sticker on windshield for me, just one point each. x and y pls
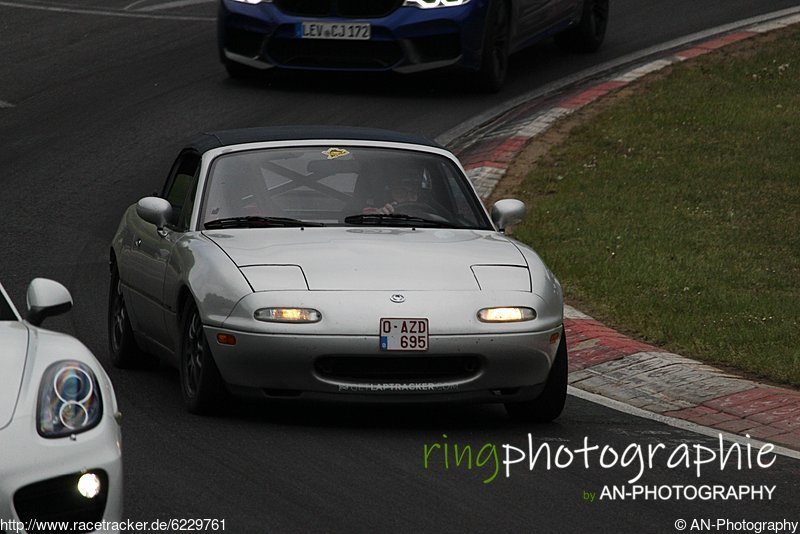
(334, 153)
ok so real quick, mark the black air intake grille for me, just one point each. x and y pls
(57, 499)
(313, 53)
(243, 42)
(397, 368)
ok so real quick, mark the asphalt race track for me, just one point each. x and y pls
(95, 100)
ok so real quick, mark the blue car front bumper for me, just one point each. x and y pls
(405, 39)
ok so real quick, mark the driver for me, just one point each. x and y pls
(401, 188)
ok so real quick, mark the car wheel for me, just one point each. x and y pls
(201, 384)
(588, 34)
(122, 347)
(550, 403)
(494, 58)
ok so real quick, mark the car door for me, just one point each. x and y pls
(538, 16)
(153, 248)
(563, 10)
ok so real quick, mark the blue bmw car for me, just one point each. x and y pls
(400, 35)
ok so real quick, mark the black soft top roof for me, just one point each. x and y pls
(209, 140)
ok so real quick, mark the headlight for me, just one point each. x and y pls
(69, 400)
(253, 1)
(427, 4)
(288, 315)
(506, 315)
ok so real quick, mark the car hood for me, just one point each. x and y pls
(374, 258)
(14, 343)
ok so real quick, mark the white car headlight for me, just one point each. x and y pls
(506, 315)
(427, 4)
(69, 400)
(288, 315)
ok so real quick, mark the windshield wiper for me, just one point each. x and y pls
(257, 222)
(393, 219)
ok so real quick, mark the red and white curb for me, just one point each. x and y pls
(607, 363)
(604, 362)
(487, 160)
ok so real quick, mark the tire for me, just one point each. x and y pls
(122, 347)
(588, 34)
(550, 403)
(202, 387)
(494, 56)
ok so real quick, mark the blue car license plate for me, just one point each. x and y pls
(346, 31)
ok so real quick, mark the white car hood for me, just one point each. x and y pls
(13, 350)
(371, 258)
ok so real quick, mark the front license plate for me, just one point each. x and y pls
(404, 334)
(345, 31)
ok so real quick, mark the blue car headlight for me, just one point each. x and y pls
(253, 1)
(69, 400)
(427, 4)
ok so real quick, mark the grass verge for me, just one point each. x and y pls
(674, 213)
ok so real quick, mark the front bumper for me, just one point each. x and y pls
(40, 474)
(477, 368)
(406, 40)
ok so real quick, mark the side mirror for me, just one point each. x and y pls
(507, 212)
(46, 298)
(154, 210)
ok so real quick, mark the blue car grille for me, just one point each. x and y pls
(339, 8)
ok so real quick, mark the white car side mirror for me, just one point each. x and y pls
(46, 298)
(154, 210)
(507, 212)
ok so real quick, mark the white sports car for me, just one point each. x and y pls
(335, 263)
(60, 455)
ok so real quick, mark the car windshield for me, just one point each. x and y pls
(338, 186)
(6, 309)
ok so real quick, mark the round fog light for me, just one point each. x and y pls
(89, 485)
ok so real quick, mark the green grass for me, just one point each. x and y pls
(674, 214)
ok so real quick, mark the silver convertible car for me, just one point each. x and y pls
(335, 263)
(60, 438)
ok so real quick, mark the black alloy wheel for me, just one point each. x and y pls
(201, 384)
(550, 403)
(122, 347)
(494, 57)
(589, 32)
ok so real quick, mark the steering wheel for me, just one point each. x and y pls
(429, 211)
(414, 206)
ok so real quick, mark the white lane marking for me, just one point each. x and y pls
(129, 6)
(176, 3)
(105, 13)
(6, 104)
(677, 423)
